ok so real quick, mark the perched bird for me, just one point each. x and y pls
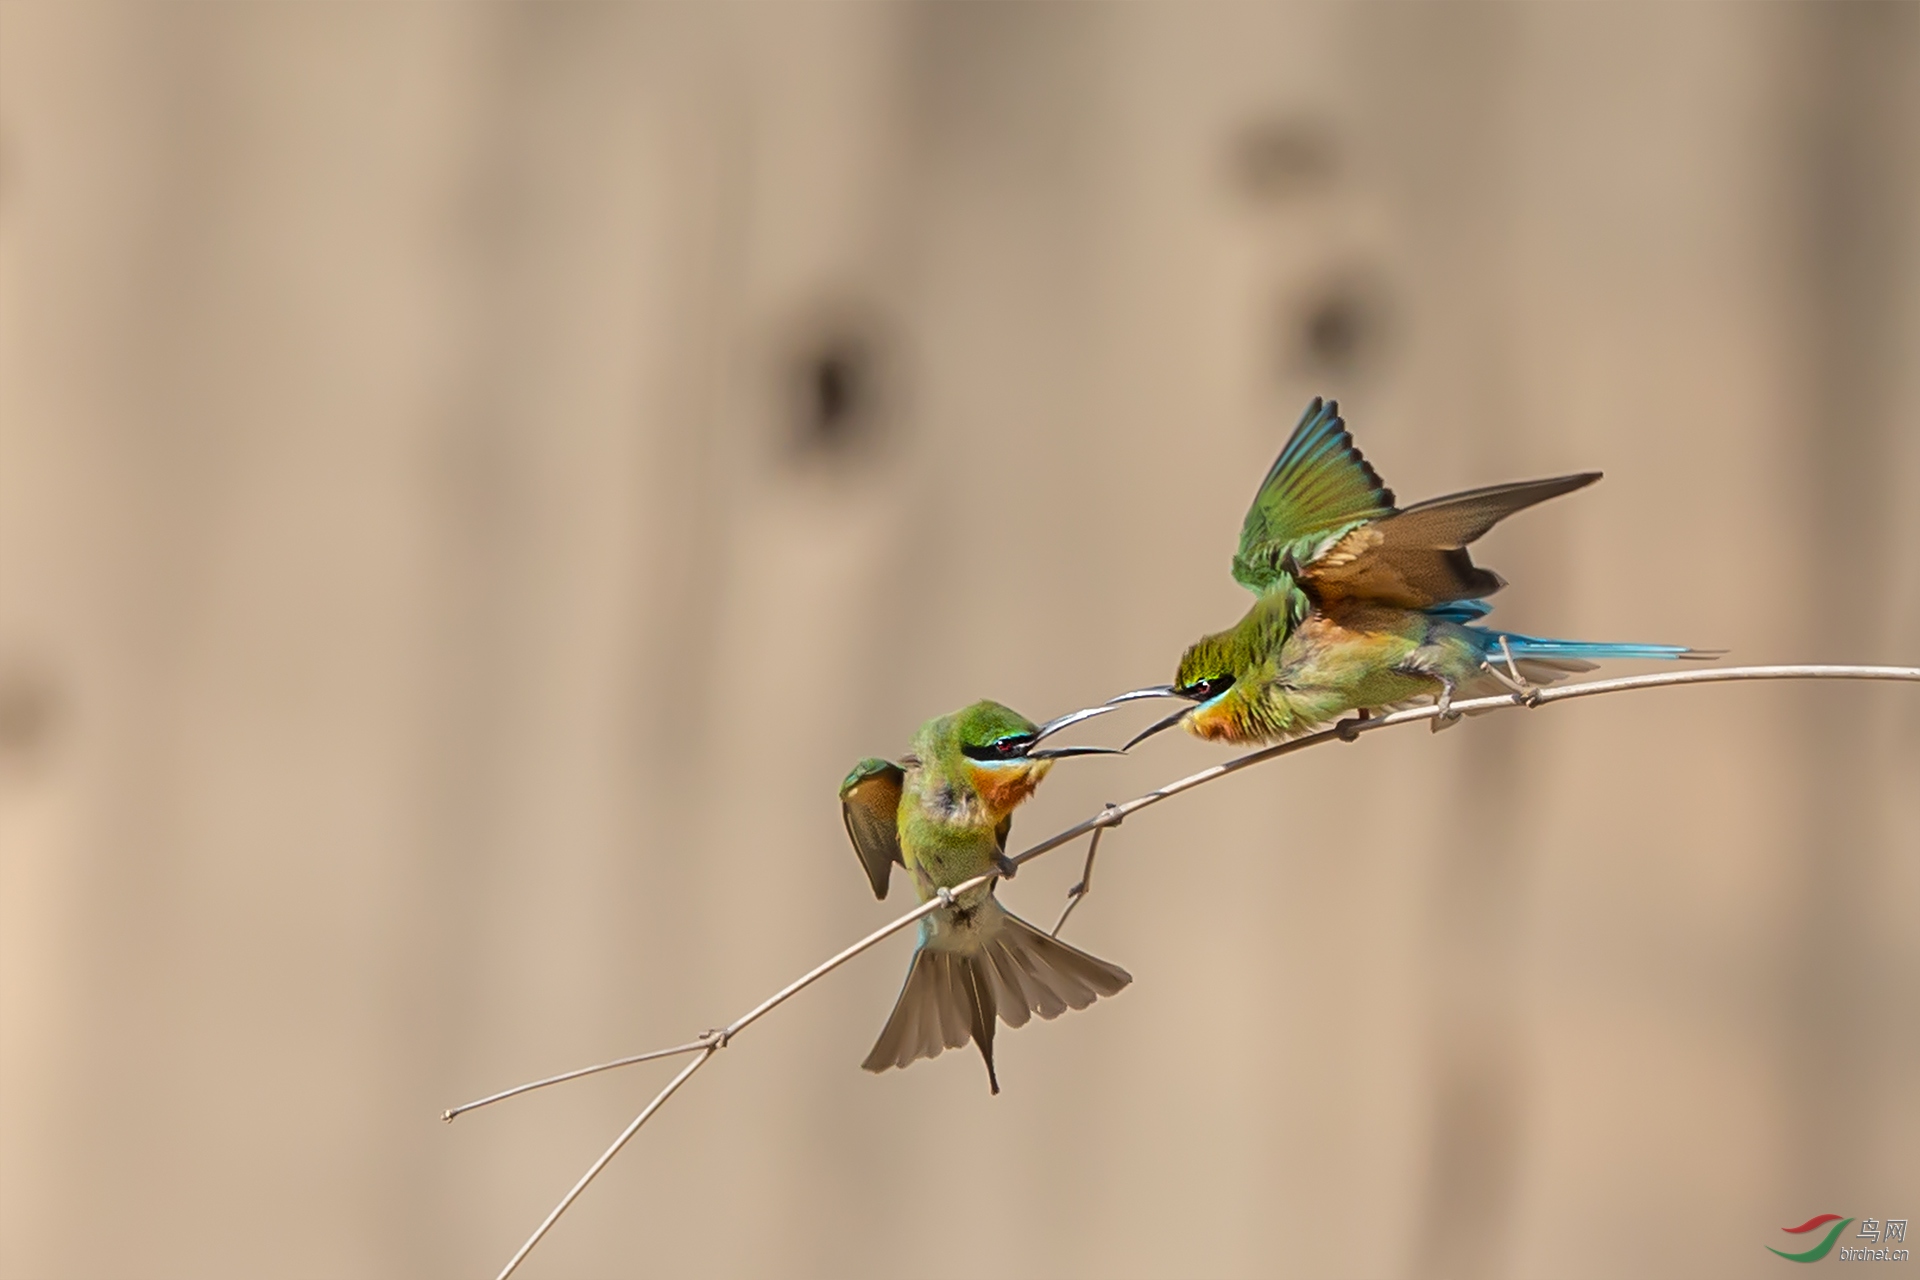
(943, 813)
(1361, 605)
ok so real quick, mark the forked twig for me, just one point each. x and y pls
(1347, 730)
(704, 1042)
(659, 1100)
(1081, 890)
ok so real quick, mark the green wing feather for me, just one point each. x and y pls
(1323, 527)
(1318, 488)
(870, 803)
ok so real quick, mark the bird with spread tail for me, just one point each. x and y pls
(1361, 605)
(943, 812)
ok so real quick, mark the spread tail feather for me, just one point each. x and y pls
(952, 996)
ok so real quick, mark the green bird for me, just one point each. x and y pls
(1361, 605)
(943, 813)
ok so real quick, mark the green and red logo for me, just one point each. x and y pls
(1879, 1236)
(1820, 1250)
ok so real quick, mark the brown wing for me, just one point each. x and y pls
(1417, 557)
(870, 803)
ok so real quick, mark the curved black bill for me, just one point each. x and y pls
(1058, 723)
(1055, 753)
(1152, 691)
(1156, 727)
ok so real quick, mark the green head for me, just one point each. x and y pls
(985, 733)
(985, 748)
(1213, 665)
(1217, 672)
(990, 732)
(1210, 665)
(1223, 673)
(995, 750)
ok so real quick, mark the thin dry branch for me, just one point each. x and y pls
(1111, 816)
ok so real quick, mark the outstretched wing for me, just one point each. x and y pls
(870, 802)
(1417, 558)
(1318, 488)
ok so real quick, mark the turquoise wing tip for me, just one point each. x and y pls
(871, 767)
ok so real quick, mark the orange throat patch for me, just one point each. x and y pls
(1002, 788)
(1216, 723)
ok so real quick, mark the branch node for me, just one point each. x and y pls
(716, 1037)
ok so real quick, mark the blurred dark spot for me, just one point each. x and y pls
(1333, 331)
(837, 392)
(1280, 158)
(836, 381)
(1337, 330)
(29, 706)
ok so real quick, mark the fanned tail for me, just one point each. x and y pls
(954, 996)
(1033, 973)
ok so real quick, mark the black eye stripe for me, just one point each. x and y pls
(1201, 690)
(1011, 747)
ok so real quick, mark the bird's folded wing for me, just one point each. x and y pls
(1417, 558)
(870, 803)
(1317, 488)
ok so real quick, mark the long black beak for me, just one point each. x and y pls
(1058, 723)
(1152, 691)
(1156, 727)
(1055, 753)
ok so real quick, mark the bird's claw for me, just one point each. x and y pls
(945, 896)
(1349, 730)
(1447, 715)
(1005, 866)
(1529, 692)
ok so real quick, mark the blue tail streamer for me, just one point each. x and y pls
(1537, 647)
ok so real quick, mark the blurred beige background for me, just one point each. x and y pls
(472, 478)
